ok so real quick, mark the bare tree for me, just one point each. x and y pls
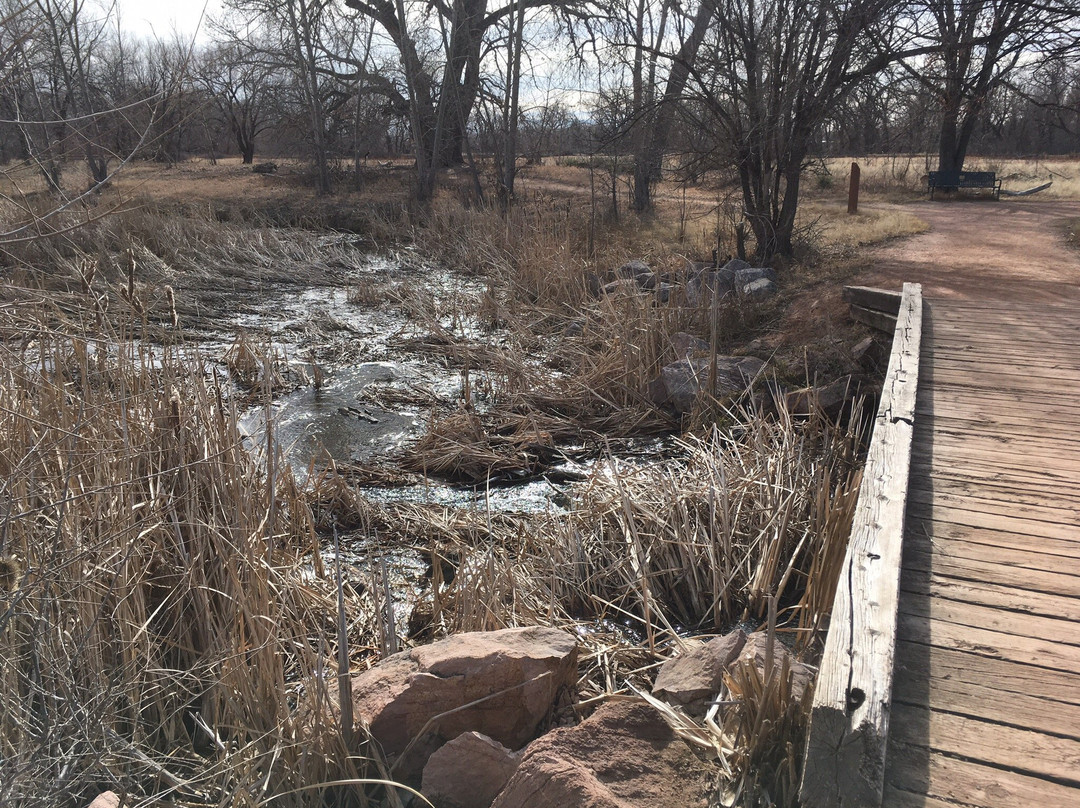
(297, 28)
(978, 46)
(442, 87)
(240, 82)
(776, 71)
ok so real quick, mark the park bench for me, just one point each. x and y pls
(953, 180)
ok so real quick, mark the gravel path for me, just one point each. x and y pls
(980, 249)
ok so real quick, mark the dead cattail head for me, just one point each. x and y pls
(174, 410)
(10, 572)
(170, 297)
(130, 274)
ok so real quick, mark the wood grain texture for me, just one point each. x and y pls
(987, 676)
(870, 297)
(846, 745)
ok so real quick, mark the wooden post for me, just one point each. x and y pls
(853, 190)
(849, 721)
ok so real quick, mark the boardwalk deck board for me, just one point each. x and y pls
(1036, 754)
(923, 581)
(1047, 549)
(1011, 574)
(986, 697)
(960, 668)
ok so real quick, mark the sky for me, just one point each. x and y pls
(159, 17)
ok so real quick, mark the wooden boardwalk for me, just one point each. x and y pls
(986, 683)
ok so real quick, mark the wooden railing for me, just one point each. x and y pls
(844, 766)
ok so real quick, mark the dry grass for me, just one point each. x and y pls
(747, 525)
(165, 582)
(844, 233)
(157, 612)
(903, 177)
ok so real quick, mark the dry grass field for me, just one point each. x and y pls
(170, 616)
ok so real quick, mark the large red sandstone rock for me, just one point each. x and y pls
(515, 676)
(754, 652)
(468, 772)
(624, 756)
(695, 676)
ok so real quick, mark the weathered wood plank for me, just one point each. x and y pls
(846, 745)
(994, 644)
(976, 464)
(1002, 573)
(1032, 753)
(997, 421)
(1052, 549)
(871, 297)
(927, 492)
(878, 320)
(1027, 489)
(899, 798)
(969, 783)
(1027, 631)
(1010, 678)
(959, 454)
(1005, 361)
(928, 679)
(926, 582)
(973, 517)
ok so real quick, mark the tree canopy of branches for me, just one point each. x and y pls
(776, 70)
(976, 48)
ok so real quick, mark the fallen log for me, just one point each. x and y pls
(1029, 191)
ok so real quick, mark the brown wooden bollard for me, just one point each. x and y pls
(853, 190)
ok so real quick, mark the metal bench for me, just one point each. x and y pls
(954, 180)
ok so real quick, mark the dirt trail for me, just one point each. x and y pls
(1013, 249)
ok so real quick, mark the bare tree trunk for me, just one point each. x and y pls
(516, 25)
(648, 167)
(303, 36)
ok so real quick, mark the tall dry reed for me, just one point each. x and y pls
(158, 605)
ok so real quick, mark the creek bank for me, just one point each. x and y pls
(485, 719)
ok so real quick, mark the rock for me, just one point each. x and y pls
(468, 772)
(520, 673)
(106, 799)
(639, 272)
(736, 265)
(624, 286)
(646, 281)
(869, 353)
(829, 399)
(633, 269)
(703, 287)
(624, 756)
(754, 651)
(759, 289)
(575, 328)
(695, 676)
(749, 274)
(663, 292)
(680, 383)
(686, 345)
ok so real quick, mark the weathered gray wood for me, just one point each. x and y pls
(878, 320)
(845, 750)
(870, 297)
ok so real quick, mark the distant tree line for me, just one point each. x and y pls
(754, 88)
